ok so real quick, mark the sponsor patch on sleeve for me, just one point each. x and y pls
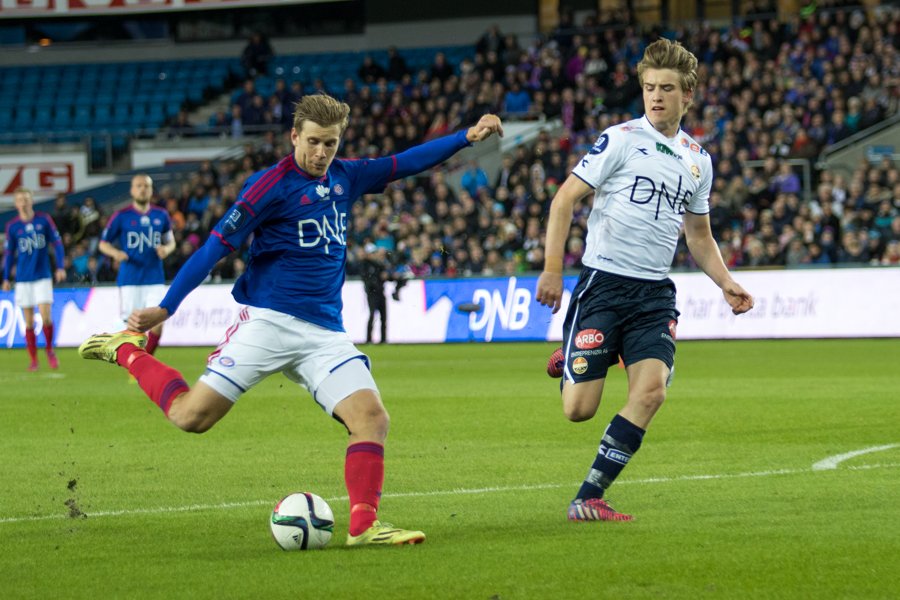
(235, 219)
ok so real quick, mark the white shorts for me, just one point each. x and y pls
(31, 293)
(263, 341)
(133, 297)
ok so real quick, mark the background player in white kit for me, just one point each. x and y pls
(646, 176)
(297, 212)
(28, 239)
(139, 237)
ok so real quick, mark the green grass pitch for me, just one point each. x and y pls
(100, 497)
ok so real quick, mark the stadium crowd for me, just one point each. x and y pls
(769, 91)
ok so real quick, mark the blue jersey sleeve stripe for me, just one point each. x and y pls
(258, 193)
(259, 183)
(260, 189)
(246, 205)
(223, 240)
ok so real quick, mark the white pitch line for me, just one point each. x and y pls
(832, 462)
(454, 492)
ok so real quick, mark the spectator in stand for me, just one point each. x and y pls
(370, 71)
(474, 178)
(92, 223)
(397, 68)
(441, 69)
(256, 55)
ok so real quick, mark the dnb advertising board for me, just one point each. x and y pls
(789, 304)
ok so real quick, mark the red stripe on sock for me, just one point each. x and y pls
(160, 382)
(364, 476)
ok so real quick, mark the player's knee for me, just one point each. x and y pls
(648, 401)
(191, 420)
(371, 421)
(578, 409)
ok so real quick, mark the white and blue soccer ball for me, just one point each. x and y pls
(302, 521)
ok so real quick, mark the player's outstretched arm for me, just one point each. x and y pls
(486, 126)
(706, 253)
(189, 277)
(434, 152)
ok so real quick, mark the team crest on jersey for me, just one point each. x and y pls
(29, 227)
(339, 189)
(600, 145)
(588, 339)
(226, 361)
(322, 191)
(695, 171)
(145, 220)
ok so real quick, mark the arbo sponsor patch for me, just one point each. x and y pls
(588, 339)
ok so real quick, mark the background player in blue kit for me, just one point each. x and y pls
(646, 176)
(28, 238)
(297, 212)
(139, 238)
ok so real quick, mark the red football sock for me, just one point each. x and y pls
(48, 336)
(160, 382)
(152, 342)
(364, 476)
(31, 344)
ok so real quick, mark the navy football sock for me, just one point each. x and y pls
(621, 440)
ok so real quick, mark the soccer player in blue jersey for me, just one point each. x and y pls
(647, 177)
(28, 239)
(139, 238)
(297, 212)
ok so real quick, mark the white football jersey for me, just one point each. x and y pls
(643, 183)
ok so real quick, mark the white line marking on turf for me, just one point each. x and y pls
(469, 491)
(833, 461)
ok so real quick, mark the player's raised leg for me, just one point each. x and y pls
(194, 409)
(367, 421)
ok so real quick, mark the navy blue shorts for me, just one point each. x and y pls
(611, 315)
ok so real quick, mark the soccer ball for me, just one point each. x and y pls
(302, 521)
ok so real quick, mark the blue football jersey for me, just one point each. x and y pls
(29, 242)
(299, 245)
(138, 235)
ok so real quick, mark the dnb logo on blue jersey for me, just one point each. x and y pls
(600, 145)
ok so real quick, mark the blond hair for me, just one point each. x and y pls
(23, 190)
(667, 54)
(321, 109)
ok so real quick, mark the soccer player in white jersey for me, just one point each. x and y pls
(28, 239)
(647, 177)
(139, 237)
(297, 212)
